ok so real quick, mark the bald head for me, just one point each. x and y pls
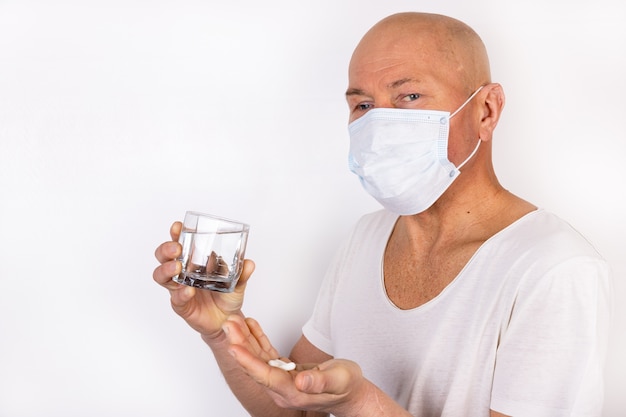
(447, 45)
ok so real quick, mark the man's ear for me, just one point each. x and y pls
(491, 100)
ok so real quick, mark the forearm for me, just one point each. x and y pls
(333, 386)
(251, 395)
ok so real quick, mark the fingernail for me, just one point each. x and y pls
(307, 382)
(232, 353)
(225, 329)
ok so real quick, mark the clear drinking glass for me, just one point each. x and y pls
(213, 252)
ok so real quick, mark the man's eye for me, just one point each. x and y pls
(364, 106)
(411, 97)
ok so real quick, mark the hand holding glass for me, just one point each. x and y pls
(213, 252)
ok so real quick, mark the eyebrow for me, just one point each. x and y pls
(354, 92)
(392, 85)
(401, 82)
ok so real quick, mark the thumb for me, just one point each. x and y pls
(333, 377)
(179, 297)
(246, 272)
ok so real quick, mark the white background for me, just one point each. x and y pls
(117, 116)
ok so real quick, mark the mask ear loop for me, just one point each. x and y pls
(479, 141)
(466, 101)
(469, 157)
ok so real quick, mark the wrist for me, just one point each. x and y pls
(370, 401)
(356, 403)
(214, 339)
(219, 337)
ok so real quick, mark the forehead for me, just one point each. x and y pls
(391, 55)
(392, 68)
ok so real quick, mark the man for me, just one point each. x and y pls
(458, 299)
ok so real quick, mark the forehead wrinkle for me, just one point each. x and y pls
(392, 86)
(401, 82)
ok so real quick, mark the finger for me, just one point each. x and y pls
(239, 333)
(163, 274)
(246, 272)
(262, 339)
(180, 296)
(167, 251)
(170, 250)
(237, 329)
(306, 366)
(259, 370)
(333, 377)
(175, 230)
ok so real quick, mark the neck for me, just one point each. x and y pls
(473, 209)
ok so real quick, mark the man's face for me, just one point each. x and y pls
(389, 71)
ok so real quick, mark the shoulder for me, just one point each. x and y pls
(379, 217)
(379, 223)
(538, 249)
(549, 256)
(542, 232)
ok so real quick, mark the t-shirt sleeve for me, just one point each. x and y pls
(550, 359)
(367, 238)
(317, 329)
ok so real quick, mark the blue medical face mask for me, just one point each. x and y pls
(401, 156)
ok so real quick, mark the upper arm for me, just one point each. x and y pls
(305, 352)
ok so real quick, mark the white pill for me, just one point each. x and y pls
(286, 366)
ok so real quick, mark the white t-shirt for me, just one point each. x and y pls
(521, 330)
